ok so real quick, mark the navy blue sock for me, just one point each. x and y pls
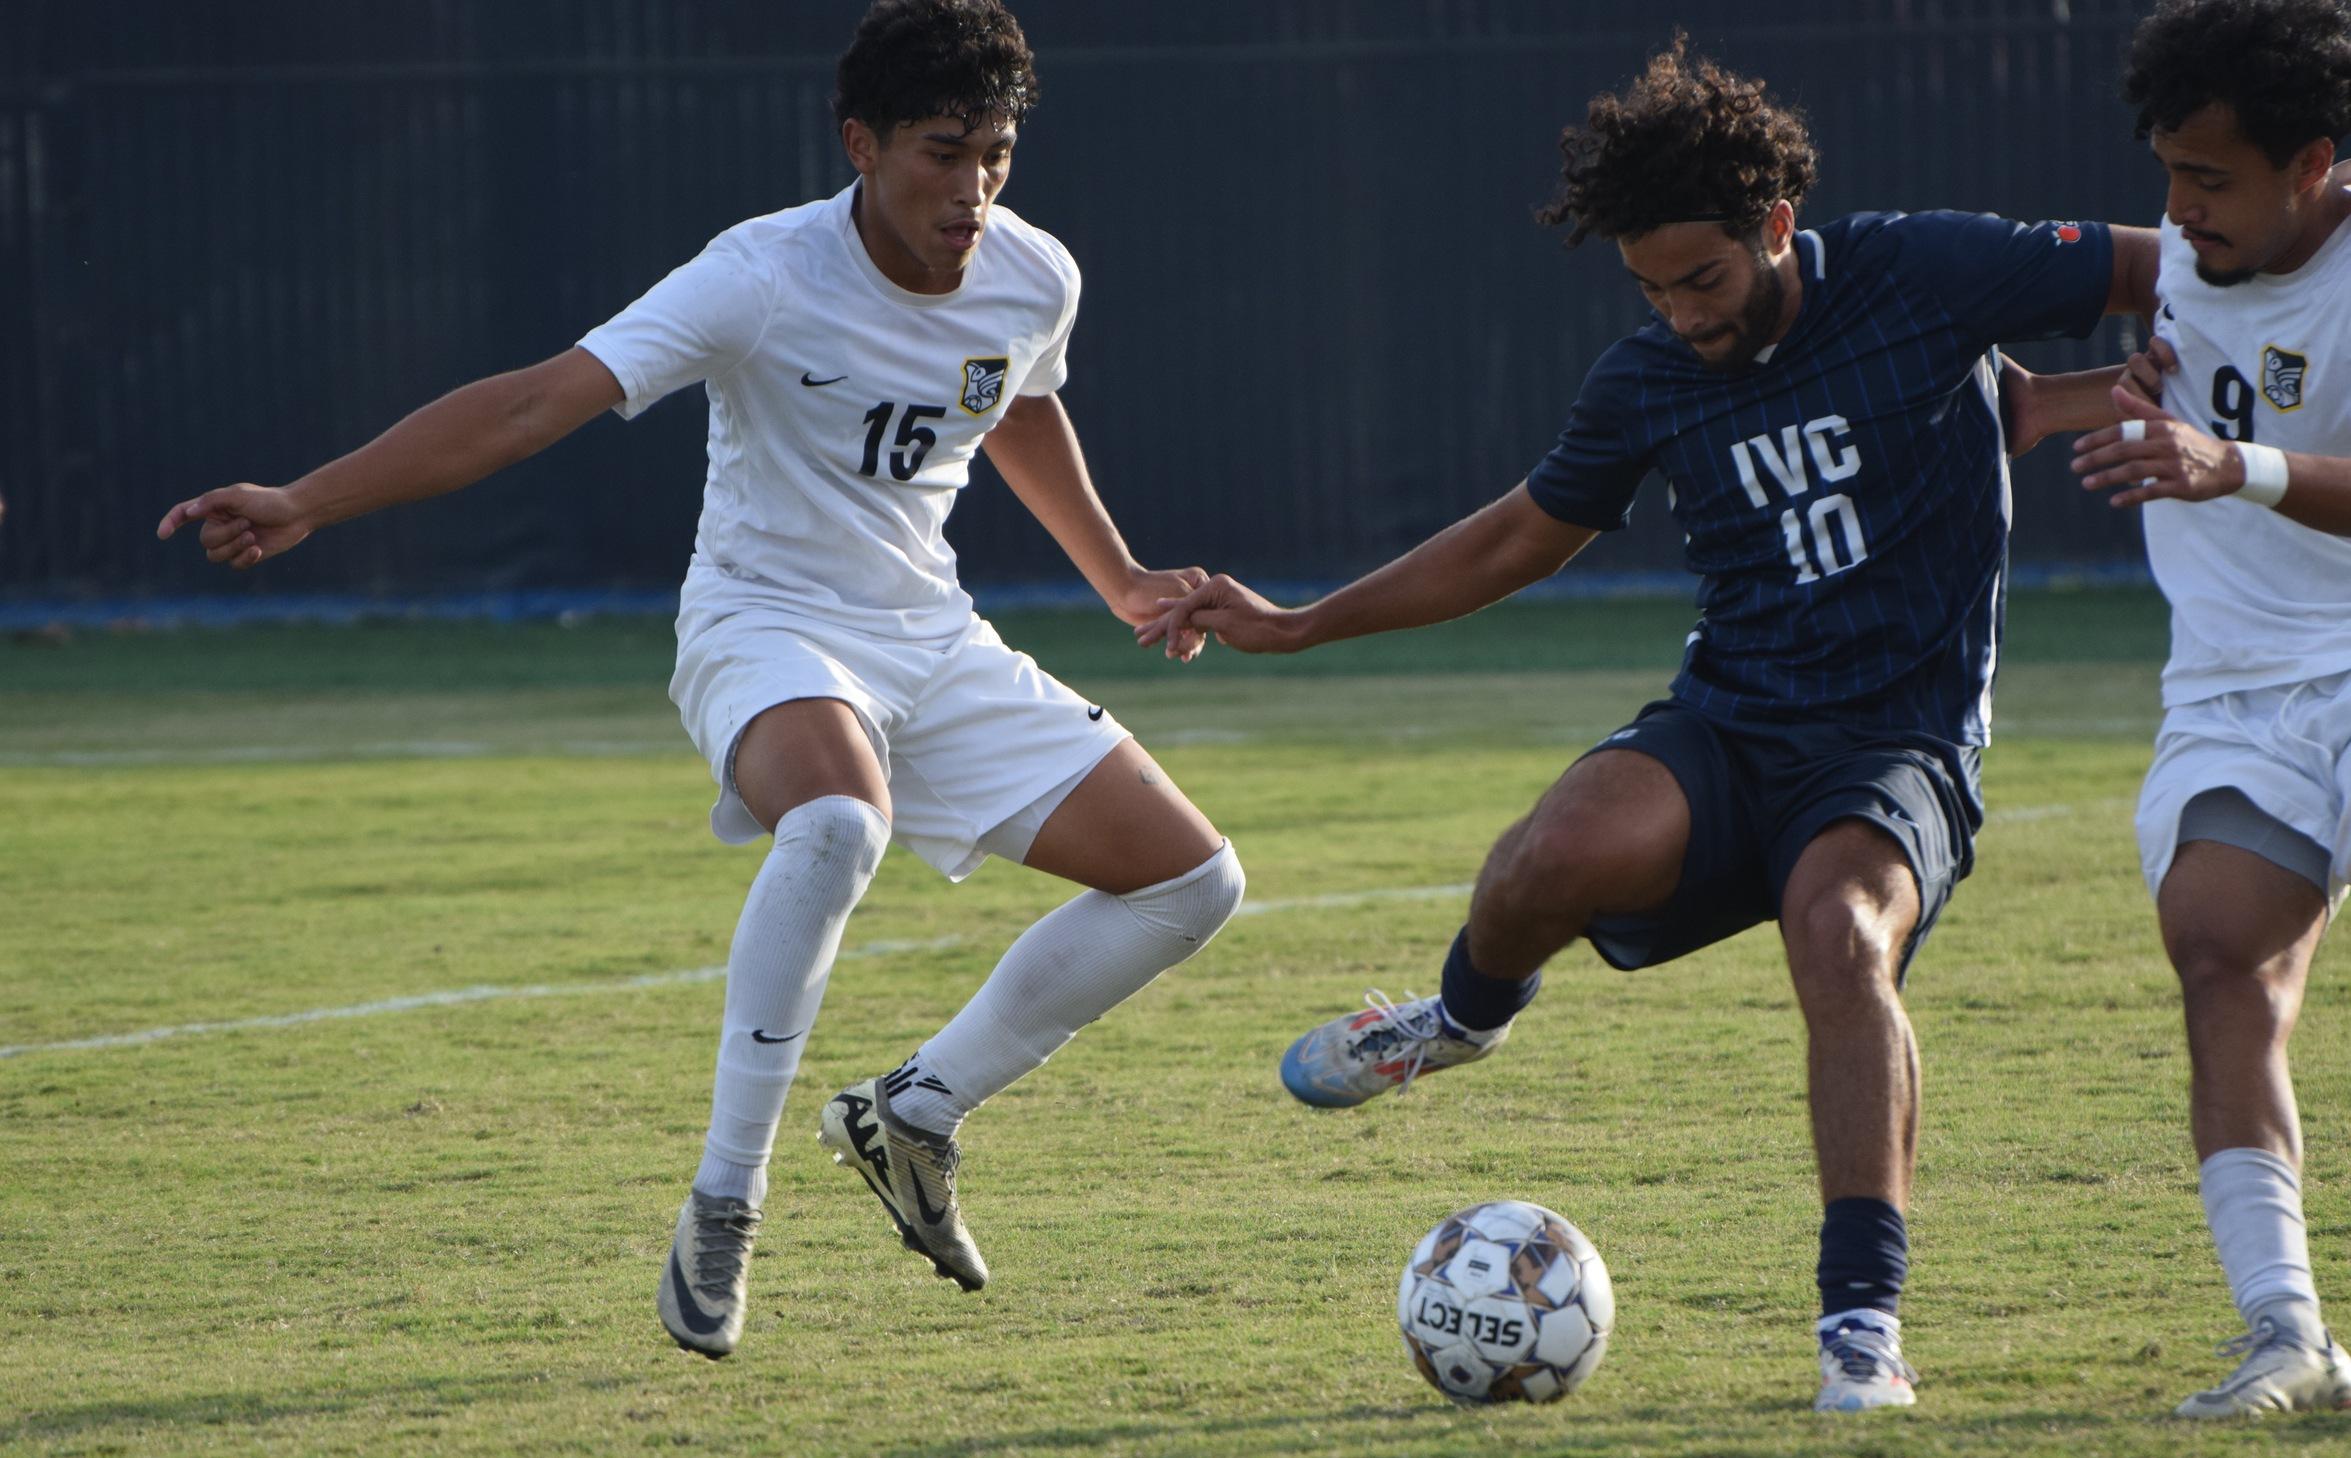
(1864, 1256)
(1476, 1002)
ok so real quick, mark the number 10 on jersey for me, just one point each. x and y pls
(1828, 518)
(1826, 444)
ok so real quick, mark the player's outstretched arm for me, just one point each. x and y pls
(2035, 407)
(1473, 563)
(1036, 449)
(453, 442)
(2156, 457)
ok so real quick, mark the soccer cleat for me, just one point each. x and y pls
(2279, 1374)
(1861, 1368)
(912, 1173)
(1351, 1058)
(703, 1287)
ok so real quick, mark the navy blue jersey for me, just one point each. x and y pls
(1844, 499)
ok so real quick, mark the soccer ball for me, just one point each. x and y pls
(1505, 1302)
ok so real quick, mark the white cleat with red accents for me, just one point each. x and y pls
(1353, 1058)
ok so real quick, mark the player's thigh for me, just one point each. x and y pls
(996, 748)
(804, 750)
(1671, 821)
(2228, 912)
(1124, 827)
(2241, 769)
(782, 709)
(1610, 835)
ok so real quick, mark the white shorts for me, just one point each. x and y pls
(978, 743)
(2287, 749)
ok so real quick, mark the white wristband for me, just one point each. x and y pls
(2265, 474)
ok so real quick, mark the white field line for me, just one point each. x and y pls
(458, 996)
(2026, 814)
(312, 753)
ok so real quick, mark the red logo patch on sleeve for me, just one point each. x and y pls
(2068, 233)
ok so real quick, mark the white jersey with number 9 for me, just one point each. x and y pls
(2256, 599)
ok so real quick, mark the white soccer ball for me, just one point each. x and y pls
(1505, 1302)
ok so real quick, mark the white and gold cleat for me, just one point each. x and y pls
(911, 1172)
(2278, 1374)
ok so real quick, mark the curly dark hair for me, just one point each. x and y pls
(919, 58)
(2283, 66)
(1689, 141)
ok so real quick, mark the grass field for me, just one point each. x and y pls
(436, 1228)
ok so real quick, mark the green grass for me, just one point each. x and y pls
(437, 1231)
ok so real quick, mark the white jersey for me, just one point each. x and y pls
(2257, 600)
(844, 410)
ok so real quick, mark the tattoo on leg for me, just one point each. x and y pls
(1150, 777)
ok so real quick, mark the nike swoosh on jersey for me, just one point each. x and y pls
(699, 1322)
(808, 379)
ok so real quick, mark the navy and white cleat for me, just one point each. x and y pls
(1353, 1058)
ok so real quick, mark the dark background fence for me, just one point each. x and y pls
(240, 236)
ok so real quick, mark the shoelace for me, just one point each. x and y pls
(723, 1247)
(942, 1161)
(1861, 1351)
(2252, 1341)
(1396, 1026)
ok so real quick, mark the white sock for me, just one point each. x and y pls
(2253, 1202)
(1079, 962)
(1454, 1030)
(723, 1179)
(1869, 1316)
(825, 854)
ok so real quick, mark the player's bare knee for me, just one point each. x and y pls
(2216, 971)
(1844, 952)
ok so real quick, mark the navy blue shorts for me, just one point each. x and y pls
(1760, 793)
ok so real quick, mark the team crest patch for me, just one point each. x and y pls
(983, 384)
(2281, 377)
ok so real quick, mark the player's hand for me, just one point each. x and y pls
(242, 525)
(2143, 374)
(1145, 598)
(1237, 617)
(2155, 457)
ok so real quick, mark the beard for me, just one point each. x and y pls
(1759, 315)
(2223, 278)
(2229, 278)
